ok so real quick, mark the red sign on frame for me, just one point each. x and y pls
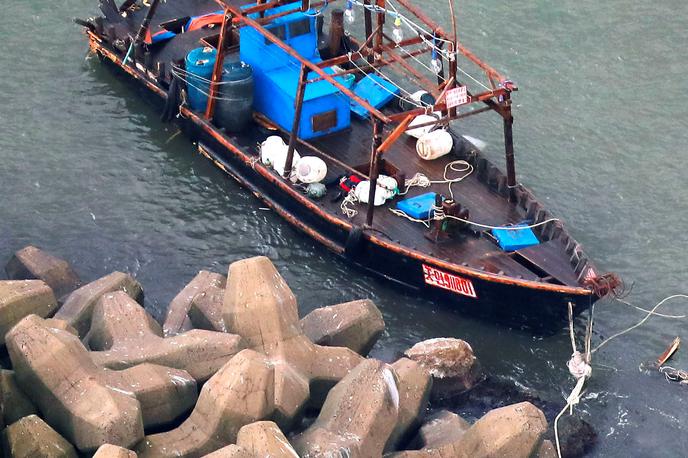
(451, 282)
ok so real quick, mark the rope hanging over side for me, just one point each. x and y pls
(579, 367)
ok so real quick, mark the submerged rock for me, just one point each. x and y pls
(576, 436)
(129, 336)
(21, 298)
(259, 306)
(442, 428)
(78, 307)
(31, 263)
(240, 393)
(177, 319)
(31, 437)
(451, 363)
(358, 416)
(356, 325)
(548, 450)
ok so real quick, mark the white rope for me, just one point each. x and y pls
(640, 323)
(400, 213)
(663, 315)
(350, 199)
(420, 62)
(579, 367)
(421, 180)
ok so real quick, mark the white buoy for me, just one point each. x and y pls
(273, 153)
(434, 144)
(420, 120)
(310, 169)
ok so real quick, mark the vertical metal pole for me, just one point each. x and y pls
(298, 104)
(453, 64)
(509, 145)
(368, 19)
(141, 34)
(374, 169)
(380, 25)
(217, 70)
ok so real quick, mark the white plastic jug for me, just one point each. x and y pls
(434, 144)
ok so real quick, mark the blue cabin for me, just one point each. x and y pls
(276, 76)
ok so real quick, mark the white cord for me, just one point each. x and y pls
(639, 323)
(350, 199)
(423, 181)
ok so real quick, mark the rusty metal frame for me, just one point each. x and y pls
(379, 54)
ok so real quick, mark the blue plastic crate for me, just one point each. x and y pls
(515, 239)
(418, 207)
(376, 91)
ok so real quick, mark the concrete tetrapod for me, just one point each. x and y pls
(128, 336)
(21, 298)
(31, 263)
(89, 405)
(116, 319)
(414, 384)
(177, 319)
(206, 310)
(31, 437)
(113, 451)
(238, 394)
(356, 325)
(264, 439)
(230, 451)
(358, 416)
(515, 431)
(260, 307)
(78, 307)
(164, 393)
(15, 404)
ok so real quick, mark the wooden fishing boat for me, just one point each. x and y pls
(451, 227)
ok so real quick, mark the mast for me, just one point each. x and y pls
(298, 105)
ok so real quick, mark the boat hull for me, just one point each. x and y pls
(511, 301)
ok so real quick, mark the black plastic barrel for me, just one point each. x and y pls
(235, 104)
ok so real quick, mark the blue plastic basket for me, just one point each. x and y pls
(515, 239)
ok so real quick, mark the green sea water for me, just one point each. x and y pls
(88, 172)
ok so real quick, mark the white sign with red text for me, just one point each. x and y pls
(451, 282)
(457, 96)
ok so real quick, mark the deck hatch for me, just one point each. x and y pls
(324, 121)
